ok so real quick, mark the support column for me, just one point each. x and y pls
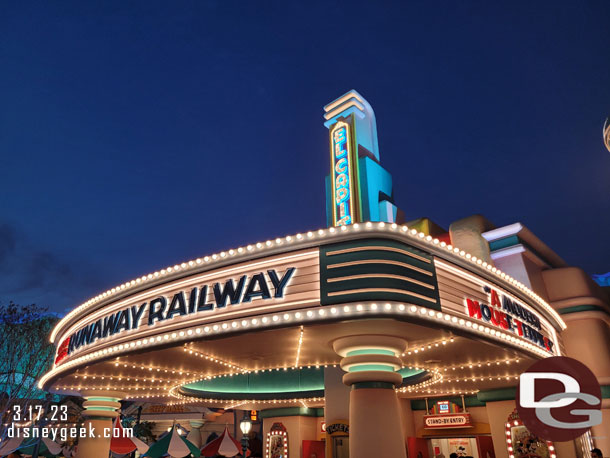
(195, 435)
(371, 362)
(100, 411)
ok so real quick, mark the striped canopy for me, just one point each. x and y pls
(122, 445)
(224, 445)
(173, 444)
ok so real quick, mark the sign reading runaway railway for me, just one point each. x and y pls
(232, 292)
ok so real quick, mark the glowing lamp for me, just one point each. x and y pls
(245, 425)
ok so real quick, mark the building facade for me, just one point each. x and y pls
(373, 337)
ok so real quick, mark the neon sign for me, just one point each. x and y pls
(264, 285)
(344, 201)
(507, 314)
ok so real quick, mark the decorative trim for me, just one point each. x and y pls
(498, 394)
(292, 412)
(372, 385)
(582, 308)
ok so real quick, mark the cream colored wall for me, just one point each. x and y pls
(336, 395)
(218, 426)
(534, 272)
(497, 413)
(408, 420)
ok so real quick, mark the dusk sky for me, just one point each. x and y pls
(138, 134)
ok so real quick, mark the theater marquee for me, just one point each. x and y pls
(273, 283)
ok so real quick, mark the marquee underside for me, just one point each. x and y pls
(160, 375)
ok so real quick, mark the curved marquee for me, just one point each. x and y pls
(355, 271)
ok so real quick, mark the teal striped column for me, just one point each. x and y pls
(101, 408)
(371, 363)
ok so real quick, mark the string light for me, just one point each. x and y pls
(296, 363)
(194, 400)
(480, 364)
(192, 351)
(413, 237)
(421, 348)
(394, 309)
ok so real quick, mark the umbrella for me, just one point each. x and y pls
(173, 444)
(47, 448)
(122, 445)
(224, 445)
(9, 446)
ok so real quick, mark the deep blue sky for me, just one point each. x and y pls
(134, 135)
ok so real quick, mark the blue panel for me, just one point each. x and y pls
(373, 180)
(329, 201)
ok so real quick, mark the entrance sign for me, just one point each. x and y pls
(458, 420)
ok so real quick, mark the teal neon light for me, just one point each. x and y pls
(284, 381)
(370, 351)
(371, 367)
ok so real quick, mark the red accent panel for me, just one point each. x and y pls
(417, 447)
(314, 449)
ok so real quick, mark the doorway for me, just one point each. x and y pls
(340, 446)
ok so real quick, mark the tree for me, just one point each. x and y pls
(25, 355)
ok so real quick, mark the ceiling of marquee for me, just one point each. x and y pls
(466, 365)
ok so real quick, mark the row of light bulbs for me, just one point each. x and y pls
(483, 378)
(299, 344)
(445, 392)
(380, 226)
(192, 351)
(437, 377)
(121, 378)
(400, 308)
(188, 400)
(482, 364)
(153, 368)
(208, 377)
(113, 387)
(428, 346)
(411, 388)
(300, 341)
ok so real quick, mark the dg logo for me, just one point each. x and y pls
(559, 399)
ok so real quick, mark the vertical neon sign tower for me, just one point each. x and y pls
(358, 188)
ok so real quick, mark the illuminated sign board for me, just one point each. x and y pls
(343, 178)
(234, 291)
(504, 314)
(507, 314)
(443, 406)
(461, 420)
